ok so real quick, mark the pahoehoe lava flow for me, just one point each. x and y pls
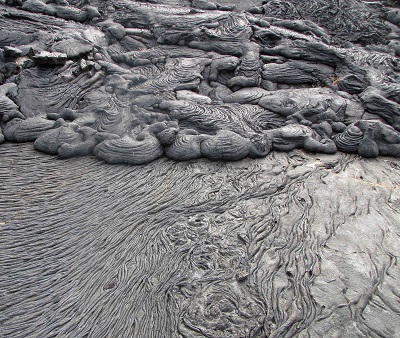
(119, 76)
(203, 249)
(190, 168)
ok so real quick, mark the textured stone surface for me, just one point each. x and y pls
(122, 67)
(247, 192)
(291, 245)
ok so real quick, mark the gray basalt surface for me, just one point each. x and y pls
(288, 74)
(210, 169)
(291, 245)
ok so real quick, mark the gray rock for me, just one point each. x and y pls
(44, 58)
(226, 146)
(28, 130)
(72, 48)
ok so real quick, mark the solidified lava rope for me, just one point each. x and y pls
(315, 72)
(173, 244)
(167, 249)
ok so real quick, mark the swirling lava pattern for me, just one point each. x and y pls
(121, 66)
(258, 248)
(238, 174)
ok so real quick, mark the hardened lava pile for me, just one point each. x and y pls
(131, 81)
